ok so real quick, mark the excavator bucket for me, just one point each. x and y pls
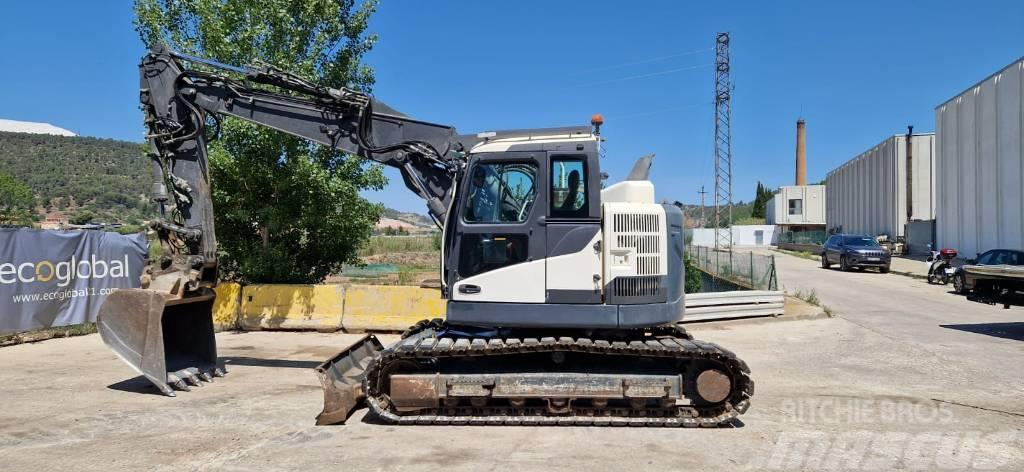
(342, 379)
(168, 340)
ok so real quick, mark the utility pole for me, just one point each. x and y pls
(723, 144)
(703, 223)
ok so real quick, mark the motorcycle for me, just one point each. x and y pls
(940, 267)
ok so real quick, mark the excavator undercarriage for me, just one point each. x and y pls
(439, 374)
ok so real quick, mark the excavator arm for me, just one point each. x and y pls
(177, 102)
(164, 330)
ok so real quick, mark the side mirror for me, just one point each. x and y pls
(930, 258)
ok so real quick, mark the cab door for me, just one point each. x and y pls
(500, 242)
(573, 227)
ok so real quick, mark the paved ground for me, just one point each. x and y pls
(907, 376)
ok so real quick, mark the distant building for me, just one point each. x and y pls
(801, 207)
(742, 235)
(887, 190)
(55, 220)
(797, 208)
(14, 126)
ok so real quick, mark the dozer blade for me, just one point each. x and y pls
(168, 340)
(342, 379)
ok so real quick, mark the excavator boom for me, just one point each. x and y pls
(164, 330)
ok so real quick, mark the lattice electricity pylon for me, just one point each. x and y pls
(723, 144)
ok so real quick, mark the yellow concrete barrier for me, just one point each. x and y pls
(227, 305)
(389, 308)
(281, 306)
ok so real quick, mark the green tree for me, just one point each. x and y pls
(16, 202)
(759, 202)
(288, 211)
(83, 217)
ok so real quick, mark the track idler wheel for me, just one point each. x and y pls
(713, 386)
(708, 384)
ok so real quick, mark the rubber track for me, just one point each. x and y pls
(666, 342)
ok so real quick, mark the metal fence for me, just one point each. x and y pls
(803, 237)
(753, 271)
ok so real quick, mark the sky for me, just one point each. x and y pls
(857, 72)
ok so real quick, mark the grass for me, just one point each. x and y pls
(810, 296)
(46, 333)
(393, 244)
(800, 254)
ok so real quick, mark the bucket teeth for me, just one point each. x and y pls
(205, 377)
(189, 376)
(218, 372)
(180, 385)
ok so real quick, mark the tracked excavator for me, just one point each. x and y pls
(563, 294)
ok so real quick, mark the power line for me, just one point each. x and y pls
(641, 76)
(648, 61)
(654, 112)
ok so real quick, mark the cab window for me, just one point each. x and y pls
(501, 192)
(485, 252)
(568, 188)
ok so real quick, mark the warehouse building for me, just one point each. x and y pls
(869, 194)
(980, 165)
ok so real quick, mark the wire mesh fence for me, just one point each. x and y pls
(745, 268)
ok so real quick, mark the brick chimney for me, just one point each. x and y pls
(801, 152)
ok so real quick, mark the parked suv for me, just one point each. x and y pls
(855, 250)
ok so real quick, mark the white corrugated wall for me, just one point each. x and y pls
(868, 193)
(981, 165)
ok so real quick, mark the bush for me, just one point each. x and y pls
(692, 275)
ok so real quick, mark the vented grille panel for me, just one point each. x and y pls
(636, 223)
(637, 286)
(640, 232)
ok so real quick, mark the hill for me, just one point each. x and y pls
(740, 213)
(414, 219)
(70, 175)
(111, 179)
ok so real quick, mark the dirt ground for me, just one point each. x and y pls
(904, 377)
